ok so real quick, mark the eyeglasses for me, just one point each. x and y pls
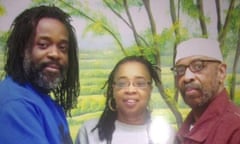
(194, 66)
(139, 83)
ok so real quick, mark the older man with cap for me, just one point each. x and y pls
(200, 74)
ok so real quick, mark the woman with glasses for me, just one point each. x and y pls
(126, 118)
(200, 74)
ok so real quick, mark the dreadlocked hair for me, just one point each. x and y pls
(105, 124)
(21, 37)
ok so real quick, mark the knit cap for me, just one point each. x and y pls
(199, 47)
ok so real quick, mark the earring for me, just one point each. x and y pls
(110, 105)
(220, 82)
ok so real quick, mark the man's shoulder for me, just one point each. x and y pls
(11, 92)
(233, 111)
(9, 85)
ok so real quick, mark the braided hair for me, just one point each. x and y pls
(21, 37)
(105, 124)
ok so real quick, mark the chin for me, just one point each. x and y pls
(48, 84)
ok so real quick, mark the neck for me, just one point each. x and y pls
(40, 89)
(133, 119)
(197, 112)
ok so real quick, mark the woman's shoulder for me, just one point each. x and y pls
(91, 123)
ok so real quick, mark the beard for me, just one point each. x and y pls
(44, 80)
(207, 93)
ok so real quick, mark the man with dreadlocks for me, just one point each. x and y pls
(41, 83)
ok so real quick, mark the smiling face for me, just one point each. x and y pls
(199, 88)
(46, 62)
(132, 101)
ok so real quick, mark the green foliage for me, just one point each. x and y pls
(190, 8)
(230, 79)
(99, 25)
(3, 39)
(166, 41)
(2, 10)
(237, 94)
(118, 4)
(235, 20)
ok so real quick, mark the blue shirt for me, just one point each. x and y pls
(30, 117)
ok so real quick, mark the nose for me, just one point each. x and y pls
(53, 52)
(131, 88)
(189, 75)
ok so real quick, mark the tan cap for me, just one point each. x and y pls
(199, 47)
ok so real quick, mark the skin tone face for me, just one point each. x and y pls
(132, 102)
(199, 88)
(47, 61)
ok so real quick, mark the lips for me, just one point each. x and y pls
(53, 68)
(190, 91)
(130, 102)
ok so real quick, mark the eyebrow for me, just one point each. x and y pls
(47, 38)
(137, 77)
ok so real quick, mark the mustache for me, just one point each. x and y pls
(45, 64)
(191, 86)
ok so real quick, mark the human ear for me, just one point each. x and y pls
(222, 72)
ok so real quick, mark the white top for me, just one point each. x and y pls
(159, 132)
(130, 134)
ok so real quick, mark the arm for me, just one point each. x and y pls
(21, 123)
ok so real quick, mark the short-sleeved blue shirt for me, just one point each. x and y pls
(30, 117)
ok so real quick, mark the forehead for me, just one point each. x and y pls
(51, 27)
(187, 60)
(132, 70)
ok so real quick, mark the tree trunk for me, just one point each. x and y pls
(132, 25)
(175, 21)
(160, 86)
(223, 32)
(219, 23)
(234, 71)
(202, 18)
